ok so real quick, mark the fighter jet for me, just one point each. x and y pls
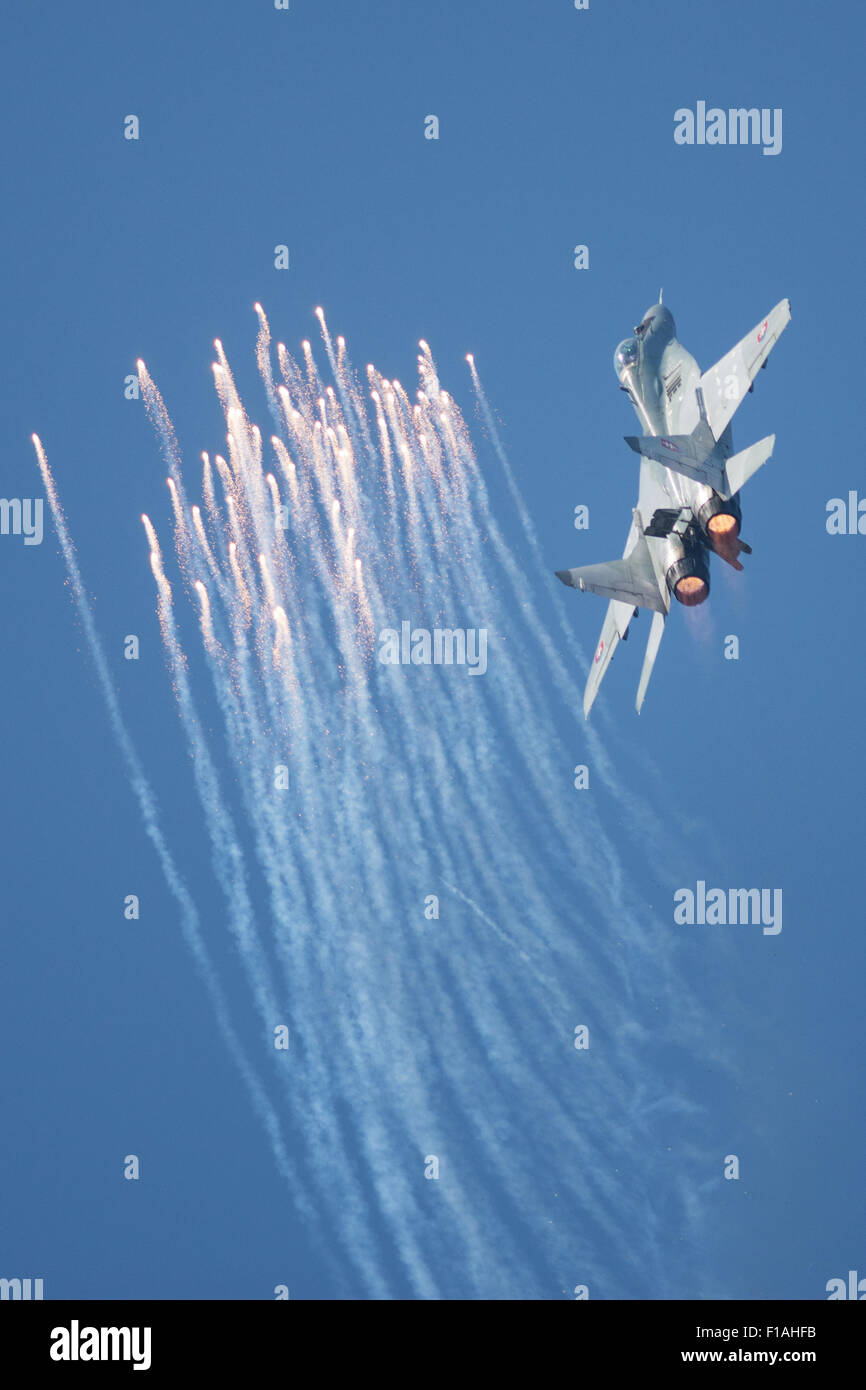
(690, 479)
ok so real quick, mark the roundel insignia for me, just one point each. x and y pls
(762, 331)
(668, 445)
(599, 650)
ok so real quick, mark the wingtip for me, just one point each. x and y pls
(565, 577)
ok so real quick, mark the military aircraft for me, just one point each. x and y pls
(690, 479)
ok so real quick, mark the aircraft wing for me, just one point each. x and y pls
(631, 580)
(607, 645)
(630, 583)
(725, 384)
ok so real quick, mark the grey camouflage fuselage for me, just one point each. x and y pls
(688, 500)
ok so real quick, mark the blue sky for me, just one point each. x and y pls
(556, 128)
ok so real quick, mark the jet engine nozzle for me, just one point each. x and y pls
(720, 523)
(689, 579)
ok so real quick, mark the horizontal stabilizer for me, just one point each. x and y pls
(744, 465)
(693, 455)
(631, 580)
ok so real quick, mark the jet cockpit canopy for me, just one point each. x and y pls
(625, 357)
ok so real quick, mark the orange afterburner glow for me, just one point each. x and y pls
(724, 531)
(692, 590)
(722, 525)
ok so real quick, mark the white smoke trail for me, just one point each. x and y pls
(646, 821)
(408, 783)
(190, 922)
